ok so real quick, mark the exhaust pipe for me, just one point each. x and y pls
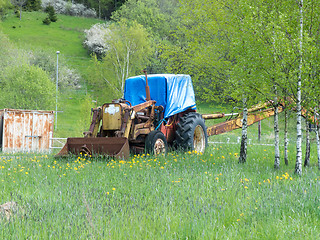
(147, 86)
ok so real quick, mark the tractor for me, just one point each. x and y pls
(156, 111)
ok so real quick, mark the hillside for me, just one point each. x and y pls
(66, 36)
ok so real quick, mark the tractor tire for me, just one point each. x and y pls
(191, 133)
(156, 143)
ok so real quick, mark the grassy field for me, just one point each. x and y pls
(180, 196)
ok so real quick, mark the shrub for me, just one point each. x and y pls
(68, 78)
(46, 21)
(51, 13)
(17, 13)
(26, 87)
(53, 18)
(95, 39)
(73, 9)
(33, 5)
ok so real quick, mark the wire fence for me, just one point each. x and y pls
(56, 143)
(250, 142)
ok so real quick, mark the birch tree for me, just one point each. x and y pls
(298, 165)
(127, 53)
(19, 4)
(311, 67)
(244, 133)
(286, 142)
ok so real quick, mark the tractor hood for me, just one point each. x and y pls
(174, 92)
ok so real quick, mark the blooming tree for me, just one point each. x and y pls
(68, 8)
(96, 38)
(126, 49)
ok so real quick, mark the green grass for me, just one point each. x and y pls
(181, 196)
(70, 122)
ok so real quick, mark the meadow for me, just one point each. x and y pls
(178, 196)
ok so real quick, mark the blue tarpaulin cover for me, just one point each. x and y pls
(174, 92)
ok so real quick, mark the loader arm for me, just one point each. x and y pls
(95, 123)
(236, 123)
(131, 115)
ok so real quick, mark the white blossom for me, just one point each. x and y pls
(68, 8)
(96, 39)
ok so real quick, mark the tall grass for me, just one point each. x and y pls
(179, 196)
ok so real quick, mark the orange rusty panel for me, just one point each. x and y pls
(26, 130)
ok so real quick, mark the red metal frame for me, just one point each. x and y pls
(169, 128)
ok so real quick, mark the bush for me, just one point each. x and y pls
(17, 13)
(95, 39)
(26, 87)
(4, 7)
(33, 5)
(46, 21)
(68, 78)
(49, 9)
(51, 13)
(73, 9)
(53, 18)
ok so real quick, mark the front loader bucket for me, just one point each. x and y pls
(117, 147)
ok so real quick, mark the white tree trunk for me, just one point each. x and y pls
(286, 140)
(243, 147)
(276, 135)
(276, 120)
(20, 12)
(298, 166)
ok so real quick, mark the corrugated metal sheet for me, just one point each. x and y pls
(25, 130)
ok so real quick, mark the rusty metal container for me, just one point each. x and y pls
(25, 130)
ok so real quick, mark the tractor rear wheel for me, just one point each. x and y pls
(191, 132)
(156, 143)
